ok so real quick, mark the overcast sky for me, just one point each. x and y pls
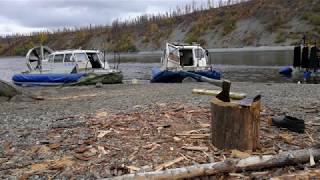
(34, 15)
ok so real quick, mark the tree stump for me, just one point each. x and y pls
(234, 126)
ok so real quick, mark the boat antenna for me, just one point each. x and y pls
(42, 58)
(104, 58)
(104, 55)
(118, 60)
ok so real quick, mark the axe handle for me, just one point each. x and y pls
(215, 82)
(219, 83)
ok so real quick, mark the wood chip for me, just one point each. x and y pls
(133, 168)
(195, 148)
(194, 135)
(204, 125)
(312, 162)
(153, 148)
(133, 155)
(237, 175)
(263, 173)
(167, 164)
(54, 146)
(239, 154)
(102, 150)
(80, 157)
(310, 137)
(149, 146)
(103, 133)
(288, 138)
(176, 139)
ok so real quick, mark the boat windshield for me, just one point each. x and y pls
(199, 53)
(50, 58)
(58, 58)
(81, 57)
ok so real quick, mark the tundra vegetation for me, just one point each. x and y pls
(232, 23)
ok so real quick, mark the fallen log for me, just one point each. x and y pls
(233, 95)
(252, 163)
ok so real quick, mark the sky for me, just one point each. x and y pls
(24, 16)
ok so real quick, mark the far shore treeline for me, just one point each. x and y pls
(232, 23)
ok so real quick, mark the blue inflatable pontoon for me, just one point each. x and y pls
(45, 79)
(166, 76)
(287, 71)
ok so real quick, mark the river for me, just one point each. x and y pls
(236, 65)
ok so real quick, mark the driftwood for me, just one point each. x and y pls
(252, 163)
(233, 95)
(9, 90)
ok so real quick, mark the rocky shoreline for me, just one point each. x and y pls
(101, 128)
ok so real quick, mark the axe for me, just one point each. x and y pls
(224, 95)
(224, 84)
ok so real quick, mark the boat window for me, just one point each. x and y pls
(68, 58)
(81, 57)
(50, 59)
(173, 53)
(199, 53)
(58, 58)
(94, 60)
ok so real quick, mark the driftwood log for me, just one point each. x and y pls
(9, 90)
(233, 95)
(234, 126)
(252, 163)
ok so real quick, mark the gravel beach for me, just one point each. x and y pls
(26, 124)
(290, 99)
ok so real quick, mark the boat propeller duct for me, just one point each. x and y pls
(36, 55)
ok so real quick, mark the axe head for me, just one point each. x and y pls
(224, 95)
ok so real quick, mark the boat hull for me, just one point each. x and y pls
(286, 71)
(72, 79)
(45, 79)
(166, 76)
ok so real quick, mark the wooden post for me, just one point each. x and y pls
(234, 126)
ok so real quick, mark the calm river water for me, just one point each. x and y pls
(253, 66)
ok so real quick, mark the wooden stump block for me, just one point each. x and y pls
(234, 126)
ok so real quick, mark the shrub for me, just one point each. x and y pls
(124, 44)
(43, 38)
(2, 50)
(250, 38)
(195, 33)
(80, 38)
(229, 26)
(281, 37)
(312, 18)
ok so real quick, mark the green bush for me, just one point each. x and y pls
(250, 38)
(281, 37)
(229, 26)
(2, 50)
(312, 18)
(195, 33)
(124, 44)
(80, 38)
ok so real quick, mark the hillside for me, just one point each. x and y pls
(252, 23)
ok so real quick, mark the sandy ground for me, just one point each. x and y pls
(41, 139)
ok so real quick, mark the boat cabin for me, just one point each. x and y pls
(66, 61)
(184, 56)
